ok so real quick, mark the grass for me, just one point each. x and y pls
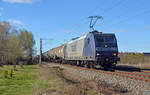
(74, 85)
(22, 82)
(55, 81)
(45, 80)
(32, 80)
(134, 59)
(80, 86)
(49, 82)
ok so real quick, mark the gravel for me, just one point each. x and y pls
(120, 84)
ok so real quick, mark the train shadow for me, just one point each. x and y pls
(123, 68)
(146, 69)
(128, 68)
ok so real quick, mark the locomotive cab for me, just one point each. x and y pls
(106, 49)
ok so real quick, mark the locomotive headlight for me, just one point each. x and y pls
(98, 54)
(115, 54)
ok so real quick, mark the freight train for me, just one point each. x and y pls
(91, 50)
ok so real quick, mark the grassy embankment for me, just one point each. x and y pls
(45, 80)
(57, 83)
(60, 82)
(39, 80)
(135, 59)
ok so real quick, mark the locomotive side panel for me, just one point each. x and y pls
(82, 48)
(89, 48)
(74, 49)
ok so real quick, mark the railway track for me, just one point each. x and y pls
(132, 75)
(130, 81)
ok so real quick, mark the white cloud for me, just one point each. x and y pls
(68, 31)
(16, 22)
(20, 1)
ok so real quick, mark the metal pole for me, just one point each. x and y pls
(40, 51)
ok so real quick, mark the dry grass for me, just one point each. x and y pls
(92, 87)
(108, 89)
(49, 83)
(56, 81)
(134, 59)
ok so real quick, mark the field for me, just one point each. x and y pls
(42, 80)
(22, 82)
(138, 60)
(45, 80)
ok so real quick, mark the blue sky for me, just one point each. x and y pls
(61, 20)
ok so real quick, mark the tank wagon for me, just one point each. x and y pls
(90, 50)
(55, 54)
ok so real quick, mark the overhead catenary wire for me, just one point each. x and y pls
(77, 26)
(126, 19)
(107, 9)
(131, 18)
(112, 7)
(137, 7)
(93, 10)
(48, 45)
(84, 19)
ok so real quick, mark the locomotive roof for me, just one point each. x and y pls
(101, 33)
(80, 38)
(94, 32)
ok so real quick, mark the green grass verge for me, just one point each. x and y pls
(49, 82)
(44, 80)
(22, 82)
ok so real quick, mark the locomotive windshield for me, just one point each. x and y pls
(101, 40)
(110, 39)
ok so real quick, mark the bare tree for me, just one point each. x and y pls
(15, 44)
(28, 42)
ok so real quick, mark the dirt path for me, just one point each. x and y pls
(57, 81)
(49, 83)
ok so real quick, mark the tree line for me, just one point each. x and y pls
(15, 44)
